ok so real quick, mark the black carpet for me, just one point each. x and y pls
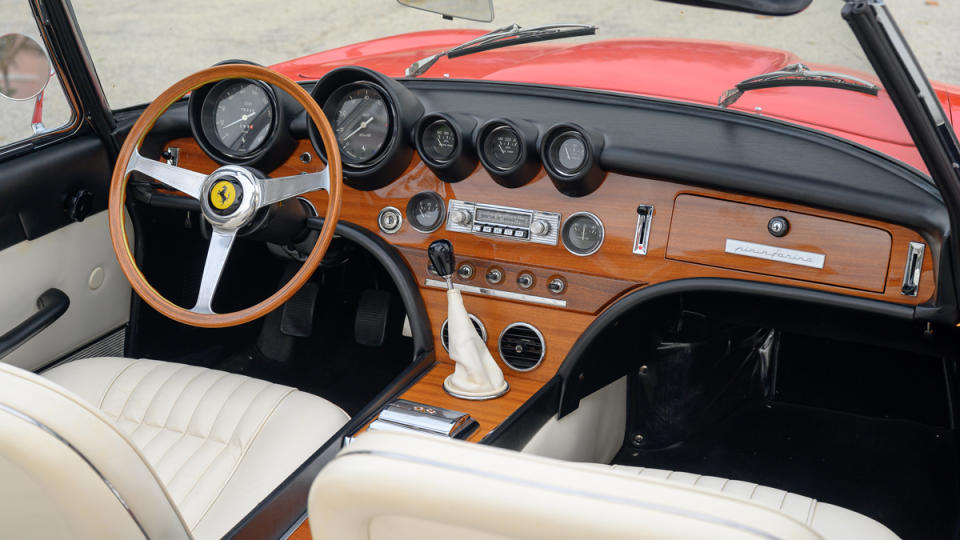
(900, 473)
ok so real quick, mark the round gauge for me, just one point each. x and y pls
(426, 211)
(439, 141)
(568, 153)
(237, 117)
(582, 233)
(502, 149)
(362, 121)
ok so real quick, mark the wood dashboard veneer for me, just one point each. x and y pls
(855, 256)
(614, 202)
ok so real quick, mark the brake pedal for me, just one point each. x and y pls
(297, 317)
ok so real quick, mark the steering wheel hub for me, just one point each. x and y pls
(230, 197)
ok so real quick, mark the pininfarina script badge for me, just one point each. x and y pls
(773, 253)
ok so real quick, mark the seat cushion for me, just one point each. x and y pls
(828, 520)
(219, 442)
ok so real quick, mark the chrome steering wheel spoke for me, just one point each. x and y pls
(221, 240)
(178, 178)
(274, 190)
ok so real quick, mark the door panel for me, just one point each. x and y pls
(73, 259)
(42, 247)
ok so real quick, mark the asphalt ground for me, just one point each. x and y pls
(141, 48)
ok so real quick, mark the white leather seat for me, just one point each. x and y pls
(402, 487)
(123, 448)
(828, 520)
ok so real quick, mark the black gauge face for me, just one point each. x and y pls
(582, 233)
(502, 148)
(238, 116)
(439, 141)
(361, 120)
(568, 153)
(426, 211)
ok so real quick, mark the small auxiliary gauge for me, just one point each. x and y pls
(502, 149)
(568, 153)
(582, 233)
(439, 141)
(426, 211)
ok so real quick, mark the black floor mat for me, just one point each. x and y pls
(900, 473)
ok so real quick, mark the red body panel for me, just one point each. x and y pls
(683, 70)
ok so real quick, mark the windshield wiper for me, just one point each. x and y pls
(503, 37)
(797, 75)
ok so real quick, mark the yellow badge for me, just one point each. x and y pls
(223, 195)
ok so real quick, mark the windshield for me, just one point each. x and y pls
(140, 51)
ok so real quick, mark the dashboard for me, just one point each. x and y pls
(561, 201)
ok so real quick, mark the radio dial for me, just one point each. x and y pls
(540, 227)
(459, 217)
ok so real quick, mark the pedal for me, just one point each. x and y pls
(297, 317)
(373, 313)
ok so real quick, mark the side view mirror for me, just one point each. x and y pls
(24, 67)
(473, 10)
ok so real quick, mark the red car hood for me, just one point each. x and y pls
(684, 70)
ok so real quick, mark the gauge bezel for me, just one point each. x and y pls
(330, 108)
(527, 163)
(440, 204)
(586, 179)
(464, 158)
(563, 233)
(202, 103)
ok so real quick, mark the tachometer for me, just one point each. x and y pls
(361, 119)
(237, 117)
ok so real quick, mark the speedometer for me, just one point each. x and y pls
(237, 117)
(361, 119)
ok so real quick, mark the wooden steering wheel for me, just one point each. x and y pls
(248, 191)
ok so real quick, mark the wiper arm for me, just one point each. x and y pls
(797, 75)
(503, 37)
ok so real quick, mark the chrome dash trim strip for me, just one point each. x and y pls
(497, 293)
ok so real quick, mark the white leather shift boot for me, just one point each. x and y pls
(477, 375)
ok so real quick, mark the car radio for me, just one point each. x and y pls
(503, 222)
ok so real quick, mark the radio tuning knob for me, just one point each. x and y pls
(540, 227)
(459, 217)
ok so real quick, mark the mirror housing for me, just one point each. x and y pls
(472, 10)
(775, 8)
(24, 67)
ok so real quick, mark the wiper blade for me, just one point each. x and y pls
(503, 37)
(797, 75)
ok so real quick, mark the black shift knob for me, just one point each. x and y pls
(441, 256)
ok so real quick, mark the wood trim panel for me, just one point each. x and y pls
(489, 414)
(855, 256)
(615, 203)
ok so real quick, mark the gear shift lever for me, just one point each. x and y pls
(476, 375)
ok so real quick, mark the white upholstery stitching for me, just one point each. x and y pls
(236, 465)
(106, 390)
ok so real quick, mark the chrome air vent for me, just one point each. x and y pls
(521, 346)
(445, 334)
